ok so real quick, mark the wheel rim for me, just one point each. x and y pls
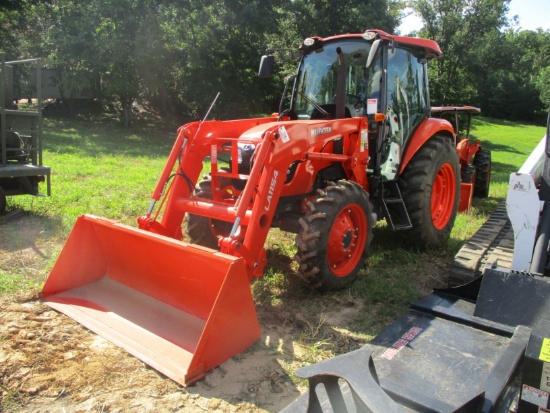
(443, 196)
(346, 240)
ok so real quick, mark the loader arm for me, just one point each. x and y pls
(193, 144)
(250, 211)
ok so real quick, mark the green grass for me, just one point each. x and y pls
(510, 144)
(100, 168)
(15, 282)
(97, 168)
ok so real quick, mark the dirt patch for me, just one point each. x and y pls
(28, 245)
(49, 363)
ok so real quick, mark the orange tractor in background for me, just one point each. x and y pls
(354, 144)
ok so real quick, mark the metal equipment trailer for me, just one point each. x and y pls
(480, 347)
(21, 168)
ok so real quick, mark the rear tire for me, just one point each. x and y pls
(430, 185)
(202, 230)
(482, 163)
(468, 174)
(335, 236)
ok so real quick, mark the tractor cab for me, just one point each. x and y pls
(374, 74)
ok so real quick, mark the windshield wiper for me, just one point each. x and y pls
(314, 104)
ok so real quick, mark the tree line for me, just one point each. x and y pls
(176, 55)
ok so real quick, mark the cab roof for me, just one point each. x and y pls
(430, 47)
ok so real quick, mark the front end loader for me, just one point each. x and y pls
(355, 144)
(181, 307)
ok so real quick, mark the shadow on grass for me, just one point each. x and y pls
(97, 138)
(500, 172)
(501, 122)
(26, 229)
(497, 147)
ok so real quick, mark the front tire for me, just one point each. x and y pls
(335, 236)
(430, 185)
(203, 230)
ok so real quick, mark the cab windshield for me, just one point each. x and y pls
(315, 94)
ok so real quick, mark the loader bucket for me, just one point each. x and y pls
(180, 308)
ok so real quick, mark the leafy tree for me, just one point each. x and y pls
(96, 46)
(176, 55)
(487, 60)
(512, 77)
(543, 85)
(461, 27)
(332, 17)
(70, 52)
(115, 46)
(11, 16)
(23, 26)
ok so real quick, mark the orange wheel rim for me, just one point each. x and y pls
(346, 240)
(443, 196)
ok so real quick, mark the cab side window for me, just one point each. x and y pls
(407, 92)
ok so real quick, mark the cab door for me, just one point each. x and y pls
(407, 102)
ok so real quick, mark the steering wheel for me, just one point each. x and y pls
(352, 99)
(288, 112)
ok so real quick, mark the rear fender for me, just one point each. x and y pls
(427, 128)
(467, 150)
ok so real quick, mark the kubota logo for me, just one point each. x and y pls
(271, 190)
(321, 131)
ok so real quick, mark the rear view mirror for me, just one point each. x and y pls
(267, 65)
(372, 52)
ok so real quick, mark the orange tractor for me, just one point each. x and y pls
(355, 144)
